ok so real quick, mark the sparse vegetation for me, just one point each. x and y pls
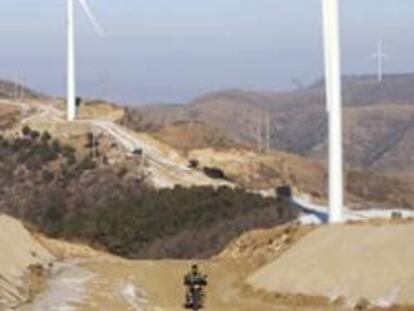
(193, 164)
(30, 151)
(378, 121)
(36, 165)
(73, 197)
(214, 172)
(133, 226)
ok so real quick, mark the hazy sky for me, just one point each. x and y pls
(172, 51)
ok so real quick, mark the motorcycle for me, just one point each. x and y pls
(195, 298)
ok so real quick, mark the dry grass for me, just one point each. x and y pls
(9, 116)
(187, 136)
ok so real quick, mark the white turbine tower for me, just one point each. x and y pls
(380, 56)
(71, 79)
(330, 12)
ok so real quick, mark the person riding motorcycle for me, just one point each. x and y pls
(195, 281)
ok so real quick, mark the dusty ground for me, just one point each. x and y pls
(356, 261)
(9, 115)
(21, 262)
(159, 287)
(87, 280)
(109, 283)
(118, 284)
(194, 135)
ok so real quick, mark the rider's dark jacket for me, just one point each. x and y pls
(193, 279)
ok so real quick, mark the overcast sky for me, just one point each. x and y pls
(175, 50)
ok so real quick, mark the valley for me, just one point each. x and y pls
(118, 204)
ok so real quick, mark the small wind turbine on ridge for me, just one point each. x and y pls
(71, 68)
(380, 57)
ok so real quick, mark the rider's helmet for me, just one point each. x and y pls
(194, 269)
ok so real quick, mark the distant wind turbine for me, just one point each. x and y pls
(332, 54)
(297, 83)
(380, 56)
(71, 71)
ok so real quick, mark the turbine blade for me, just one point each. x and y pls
(88, 12)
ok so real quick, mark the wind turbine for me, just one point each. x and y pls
(332, 53)
(71, 70)
(380, 56)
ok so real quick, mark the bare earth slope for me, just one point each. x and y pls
(9, 115)
(354, 261)
(18, 251)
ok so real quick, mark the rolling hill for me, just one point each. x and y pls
(378, 120)
(11, 90)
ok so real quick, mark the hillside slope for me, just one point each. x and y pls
(9, 116)
(18, 253)
(379, 119)
(371, 262)
(9, 90)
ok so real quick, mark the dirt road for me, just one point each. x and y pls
(119, 285)
(165, 170)
(66, 288)
(159, 286)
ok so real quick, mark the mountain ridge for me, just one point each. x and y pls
(375, 114)
(10, 90)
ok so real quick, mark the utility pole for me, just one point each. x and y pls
(260, 133)
(22, 92)
(267, 132)
(255, 123)
(332, 54)
(15, 90)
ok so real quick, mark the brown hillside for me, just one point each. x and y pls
(379, 120)
(9, 115)
(186, 136)
(10, 90)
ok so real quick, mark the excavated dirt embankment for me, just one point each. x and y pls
(23, 264)
(373, 262)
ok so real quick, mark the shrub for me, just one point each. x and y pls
(34, 135)
(26, 131)
(70, 159)
(47, 176)
(215, 173)
(56, 146)
(33, 163)
(193, 164)
(68, 151)
(127, 226)
(86, 164)
(89, 140)
(46, 137)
